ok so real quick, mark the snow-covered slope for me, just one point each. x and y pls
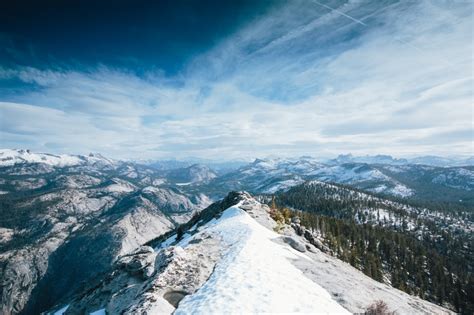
(458, 178)
(193, 174)
(389, 160)
(230, 260)
(255, 274)
(272, 175)
(10, 157)
(408, 181)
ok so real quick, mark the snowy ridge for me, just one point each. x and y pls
(272, 175)
(244, 281)
(231, 261)
(389, 160)
(10, 157)
(456, 178)
(383, 212)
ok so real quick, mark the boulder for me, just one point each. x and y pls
(298, 229)
(140, 262)
(299, 246)
(296, 220)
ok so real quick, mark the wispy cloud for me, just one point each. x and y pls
(308, 78)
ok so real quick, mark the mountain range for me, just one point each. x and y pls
(81, 234)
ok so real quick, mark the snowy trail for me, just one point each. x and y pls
(255, 275)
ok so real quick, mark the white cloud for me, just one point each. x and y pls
(301, 80)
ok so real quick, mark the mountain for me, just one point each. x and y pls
(395, 243)
(229, 259)
(369, 159)
(442, 161)
(219, 166)
(76, 230)
(193, 174)
(430, 160)
(13, 157)
(451, 185)
(418, 183)
(65, 219)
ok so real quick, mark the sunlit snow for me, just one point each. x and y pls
(255, 275)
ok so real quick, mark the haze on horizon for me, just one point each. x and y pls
(141, 80)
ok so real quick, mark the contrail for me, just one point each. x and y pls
(341, 13)
(379, 11)
(362, 23)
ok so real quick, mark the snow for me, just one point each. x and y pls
(379, 189)
(343, 174)
(119, 188)
(283, 185)
(99, 312)
(396, 169)
(456, 178)
(61, 311)
(159, 181)
(401, 190)
(6, 234)
(167, 242)
(398, 190)
(10, 157)
(159, 307)
(193, 228)
(355, 291)
(384, 214)
(151, 189)
(255, 274)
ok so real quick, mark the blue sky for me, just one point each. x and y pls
(237, 79)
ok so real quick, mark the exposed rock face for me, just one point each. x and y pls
(65, 221)
(309, 236)
(18, 282)
(140, 262)
(148, 282)
(23, 269)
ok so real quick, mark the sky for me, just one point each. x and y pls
(237, 79)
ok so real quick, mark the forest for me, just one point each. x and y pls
(435, 265)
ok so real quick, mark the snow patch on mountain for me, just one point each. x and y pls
(11, 157)
(244, 281)
(401, 191)
(120, 186)
(282, 185)
(61, 311)
(459, 178)
(348, 174)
